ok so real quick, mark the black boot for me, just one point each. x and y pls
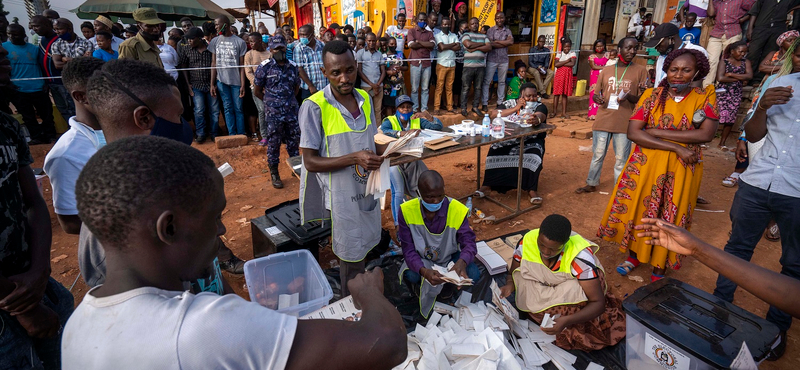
(276, 177)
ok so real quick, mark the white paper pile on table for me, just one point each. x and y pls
(491, 260)
(378, 180)
(451, 276)
(479, 336)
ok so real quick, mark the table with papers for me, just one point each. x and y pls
(513, 131)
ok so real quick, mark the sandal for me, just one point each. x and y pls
(773, 234)
(654, 277)
(701, 200)
(536, 201)
(585, 189)
(478, 194)
(552, 115)
(730, 182)
(625, 267)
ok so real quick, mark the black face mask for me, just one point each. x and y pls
(279, 56)
(147, 36)
(178, 131)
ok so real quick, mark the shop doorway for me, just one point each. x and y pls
(608, 13)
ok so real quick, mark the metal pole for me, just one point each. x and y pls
(519, 172)
(479, 169)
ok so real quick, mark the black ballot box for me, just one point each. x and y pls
(279, 230)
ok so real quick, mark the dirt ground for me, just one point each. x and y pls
(249, 194)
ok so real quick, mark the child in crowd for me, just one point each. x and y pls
(562, 83)
(597, 62)
(689, 33)
(393, 84)
(730, 79)
(104, 50)
(612, 57)
(519, 79)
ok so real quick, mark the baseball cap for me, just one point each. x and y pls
(194, 32)
(146, 16)
(276, 41)
(662, 31)
(402, 99)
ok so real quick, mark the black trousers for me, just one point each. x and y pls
(763, 42)
(29, 105)
(472, 76)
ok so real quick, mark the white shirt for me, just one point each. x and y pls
(150, 328)
(170, 59)
(65, 161)
(446, 58)
(636, 20)
(399, 34)
(115, 41)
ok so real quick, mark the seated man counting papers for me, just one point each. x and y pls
(404, 177)
(555, 271)
(431, 230)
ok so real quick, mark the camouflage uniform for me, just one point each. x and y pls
(280, 107)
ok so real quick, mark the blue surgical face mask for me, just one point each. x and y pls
(435, 207)
(404, 116)
(171, 130)
(265, 38)
(422, 24)
(176, 131)
(304, 40)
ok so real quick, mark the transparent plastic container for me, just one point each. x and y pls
(295, 272)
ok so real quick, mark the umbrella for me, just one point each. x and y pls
(168, 10)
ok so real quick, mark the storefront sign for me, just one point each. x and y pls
(284, 6)
(549, 33)
(328, 15)
(348, 7)
(548, 11)
(628, 7)
(485, 10)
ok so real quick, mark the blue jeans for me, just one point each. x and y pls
(262, 122)
(751, 211)
(622, 149)
(500, 69)
(398, 186)
(19, 351)
(203, 99)
(472, 271)
(232, 103)
(420, 75)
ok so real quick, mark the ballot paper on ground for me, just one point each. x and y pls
(343, 309)
(451, 276)
(378, 180)
(493, 262)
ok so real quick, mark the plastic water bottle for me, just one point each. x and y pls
(498, 127)
(486, 125)
(469, 206)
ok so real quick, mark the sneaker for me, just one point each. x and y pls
(254, 137)
(235, 265)
(484, 108)
(213, 138)
(545, 96)
(200, 139)
(778, 349)
(263, 142)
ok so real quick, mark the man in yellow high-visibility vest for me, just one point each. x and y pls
(338, 127)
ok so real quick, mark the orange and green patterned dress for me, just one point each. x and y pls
(657, 183)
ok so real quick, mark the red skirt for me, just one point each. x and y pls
(562, 82)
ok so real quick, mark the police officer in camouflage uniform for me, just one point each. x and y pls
(277, 81)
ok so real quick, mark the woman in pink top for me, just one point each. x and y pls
(597, 61)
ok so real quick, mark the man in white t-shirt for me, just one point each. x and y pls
(665, 40)
(66, 159)
(635, 23)
(157, 235)
(399, 32)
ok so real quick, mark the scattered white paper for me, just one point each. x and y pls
(744, 360)
(225, 169)
(272, 231)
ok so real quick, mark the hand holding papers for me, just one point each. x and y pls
(451, 276)
(378, 180)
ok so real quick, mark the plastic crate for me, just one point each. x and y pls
(287, 273)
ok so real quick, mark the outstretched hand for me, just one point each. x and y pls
(667, 235)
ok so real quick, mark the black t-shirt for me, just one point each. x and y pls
(15, 256)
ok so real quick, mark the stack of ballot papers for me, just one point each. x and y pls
(451, 276)
(491, 260)
(378, 180)
(480, 336)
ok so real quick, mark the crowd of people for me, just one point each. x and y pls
(152, 252)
